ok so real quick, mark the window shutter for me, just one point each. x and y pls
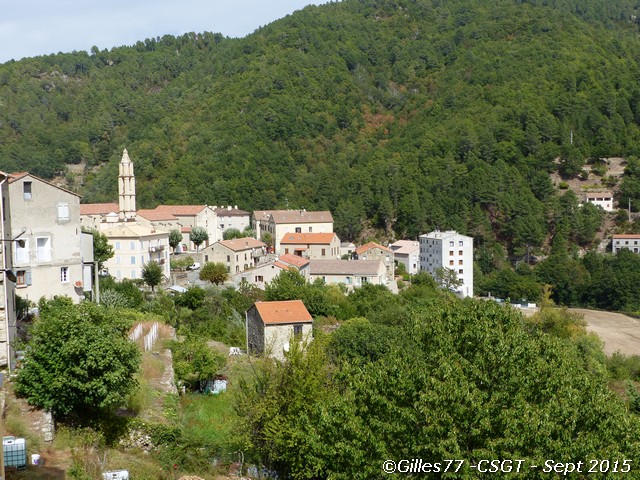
(27, 277)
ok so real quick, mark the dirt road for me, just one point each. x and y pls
(619, 332)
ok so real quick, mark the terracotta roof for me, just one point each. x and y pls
(16, 176)
(281, 265)
(346, 267)
(238, 244)
(307, 238)
(405, 247)
(294, 260)
(627, 235)
(185, 229)
(301, 216)
(156, 215)
(290, 311)
(181, 210)
(98, 208)
(369, 246)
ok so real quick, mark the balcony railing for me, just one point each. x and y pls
(156, 248)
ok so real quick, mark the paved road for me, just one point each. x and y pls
(619, 332)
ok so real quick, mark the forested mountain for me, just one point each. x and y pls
(415, 114)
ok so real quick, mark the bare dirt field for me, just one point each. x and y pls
(619, 332)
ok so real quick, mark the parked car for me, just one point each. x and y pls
(194, 266)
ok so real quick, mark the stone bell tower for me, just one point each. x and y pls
(127, 189)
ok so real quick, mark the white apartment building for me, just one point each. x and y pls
(450, 250)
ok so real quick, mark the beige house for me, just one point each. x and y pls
(630, 241)
(186, 217)
(261, 275)
(231, 217)
(311, 245)
(238, 254)
(134, 246)
(272, 326)
(265, 273)
(49, 259)
(374, 251)
(603, 200)
(279, 222)
(407, 252)
(352, 273)
(8, 328)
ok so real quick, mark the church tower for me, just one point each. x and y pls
(127, 189)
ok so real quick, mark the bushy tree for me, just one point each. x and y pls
(152, 274)
(214, 272)
(198, 236)
(102, 250)
(80, 361)
(175, 237)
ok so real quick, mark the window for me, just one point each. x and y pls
(22, 253)
(451, 262)
(451, 243)
(460, 271)
(259, 278)
(133, 260)
(228, 258)
(117, 259)
(43, 246)
(21, 278)
(286, 251)
(63, 212)
(117, 245)
(298, 229)
(451, 253)
(324, 252)
(132, 245)
(26, 190)
(297, 331)
(460, 262)
(64, 274)
(459, 252)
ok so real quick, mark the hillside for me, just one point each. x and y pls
(412, 114)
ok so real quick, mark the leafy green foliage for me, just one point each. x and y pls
(198, 236)
(214, 272)
(466, 379)
(175, 237)
(152, 274)
(194, 361)
(80, 361)
(102, 250)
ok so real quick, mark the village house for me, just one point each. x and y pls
(48, 260)
(407, 252)
(601, 199)
(630, 241)
(94, 216)
(311, 245)
(231, 217)
(272, 326)
(8, 322)
(450, 250)
(238, 254)
(265, 273)
(374, 251)
(135, 246)
(279, 222)
(352, 273)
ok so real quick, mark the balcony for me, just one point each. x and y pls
(156, 248)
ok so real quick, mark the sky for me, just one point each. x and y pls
(41, 27)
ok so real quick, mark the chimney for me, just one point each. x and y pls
(229, 207)
(235, 207)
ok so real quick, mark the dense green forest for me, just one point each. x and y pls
(413, 114)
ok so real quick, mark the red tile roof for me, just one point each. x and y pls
(294, 260)
(369, 246)
(98, 208)
(627, 235)
(307, 238)
(238, 244)
(156, 215)
(181, 210)
(290, 311)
